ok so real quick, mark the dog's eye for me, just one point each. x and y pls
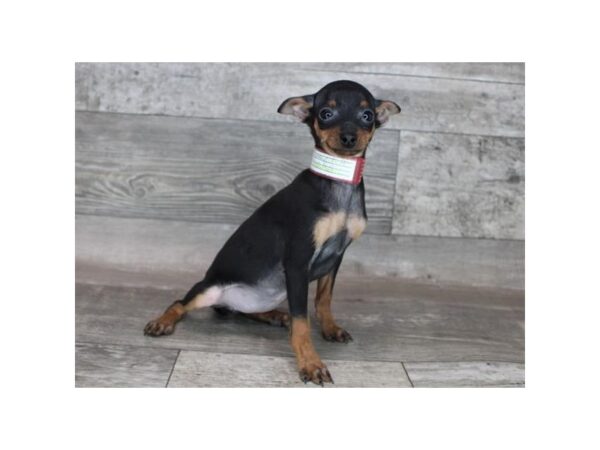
(325, 114)
(367, 116)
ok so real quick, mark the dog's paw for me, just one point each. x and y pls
(159, 328)
(336, 334)
(315, 372)
(280, 319)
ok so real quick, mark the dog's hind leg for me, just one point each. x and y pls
(200, 296)
(273, 317)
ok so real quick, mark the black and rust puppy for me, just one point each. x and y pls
(300, 234)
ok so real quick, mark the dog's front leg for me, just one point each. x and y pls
(329, 329)
(310, 366)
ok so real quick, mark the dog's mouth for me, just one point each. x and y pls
(342, 151)
(352, 154)
(346, 153)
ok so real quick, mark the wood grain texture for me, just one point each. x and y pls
(460, 186)
(213, 171)
(200, 369)
(98, 365)
(389, 321)
(254, 91)
(466, 374)
(483, 72)
(161, 247)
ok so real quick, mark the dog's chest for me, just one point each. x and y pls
(333, 231)
(332, 234)
(332, 224)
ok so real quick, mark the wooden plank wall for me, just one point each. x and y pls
(214, 171)
(203, 143)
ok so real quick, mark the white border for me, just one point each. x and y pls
(40, 42)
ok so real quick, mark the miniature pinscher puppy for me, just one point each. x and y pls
(301, 233)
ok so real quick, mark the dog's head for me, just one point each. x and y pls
(342, 116)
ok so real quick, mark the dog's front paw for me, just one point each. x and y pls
(336, 334)
(315, 372)
(159, 327)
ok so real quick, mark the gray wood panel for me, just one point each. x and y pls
(254, 91)
(98, 365)
(161, 247)
(204, 369)
(390, 321)
(484, 72)
(214, 171)
(466, 374)
(460, 186)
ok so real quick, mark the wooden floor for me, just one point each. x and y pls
(405, 335)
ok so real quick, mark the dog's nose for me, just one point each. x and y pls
(348, 140)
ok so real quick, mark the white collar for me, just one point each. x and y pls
(347, 170)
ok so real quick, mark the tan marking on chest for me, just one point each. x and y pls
(355, 225)
(327, 226)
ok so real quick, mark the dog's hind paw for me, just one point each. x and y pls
(158, 328)
(336, 334)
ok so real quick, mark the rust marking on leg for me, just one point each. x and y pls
(323, 300)
(310, 366)
(165, 324)
(329, 329)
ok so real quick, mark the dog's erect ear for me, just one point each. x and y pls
(297, 106)
(384, 110)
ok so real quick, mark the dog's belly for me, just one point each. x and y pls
(270, 291)
(250, 299)
(264, 296)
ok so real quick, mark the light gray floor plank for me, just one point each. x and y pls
(161, 247)
(466, 374)
(98, 365)
(200, 369)
(389, 321)
(255, 91)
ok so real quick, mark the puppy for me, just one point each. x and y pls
(301, 233)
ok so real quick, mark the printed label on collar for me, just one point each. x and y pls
(348, 170)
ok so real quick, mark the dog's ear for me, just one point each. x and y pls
(297, 106)
(384, 110)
